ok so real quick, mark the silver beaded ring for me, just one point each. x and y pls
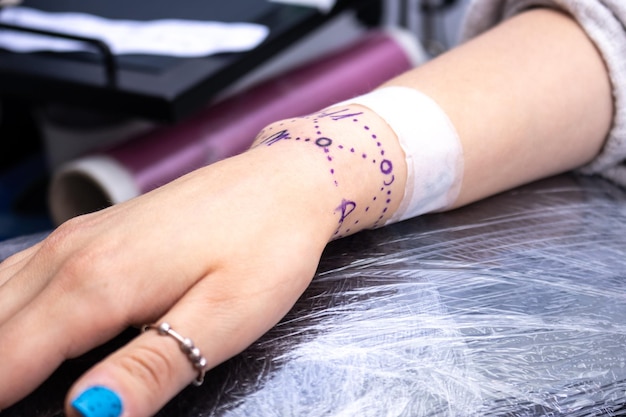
(186, 346)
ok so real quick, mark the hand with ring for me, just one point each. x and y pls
(205, 264)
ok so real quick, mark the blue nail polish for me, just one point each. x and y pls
(98, 402)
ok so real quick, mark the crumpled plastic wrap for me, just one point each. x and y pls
(513, 306)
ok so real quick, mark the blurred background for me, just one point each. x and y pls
(56, 107)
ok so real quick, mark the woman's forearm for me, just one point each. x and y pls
(529, 99)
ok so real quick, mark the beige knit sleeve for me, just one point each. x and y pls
(605, 24)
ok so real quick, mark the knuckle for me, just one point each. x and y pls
(86, 274)
(149, 366)
(59, 238)
(82, 267)
(81, 262)
(88, 280)
(64, 238)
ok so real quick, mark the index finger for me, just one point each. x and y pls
(15, 262)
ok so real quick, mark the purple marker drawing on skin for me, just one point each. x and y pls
(346, 208)
(386, 166)
(276, 137)
(323, 142)
(381, 198)
(337, 115)
(388, 183)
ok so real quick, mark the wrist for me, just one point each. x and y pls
(349, 161)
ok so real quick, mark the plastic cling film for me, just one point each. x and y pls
(511, 306)
(432, 148)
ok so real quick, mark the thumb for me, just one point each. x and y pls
(137, 380)
(141, 377)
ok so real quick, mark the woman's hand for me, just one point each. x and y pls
(220, 254)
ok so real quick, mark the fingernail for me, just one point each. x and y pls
(98, 402)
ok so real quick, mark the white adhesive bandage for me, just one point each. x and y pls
(434, 155)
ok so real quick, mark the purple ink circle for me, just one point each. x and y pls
(323, 142)
(386, 166)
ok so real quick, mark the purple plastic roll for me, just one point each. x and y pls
(228, 127)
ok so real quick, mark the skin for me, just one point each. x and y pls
(530, 99)
(514, 96)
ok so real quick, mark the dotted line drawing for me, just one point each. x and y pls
(331, 149)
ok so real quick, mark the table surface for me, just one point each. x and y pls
(159, 88)
(511, 306)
